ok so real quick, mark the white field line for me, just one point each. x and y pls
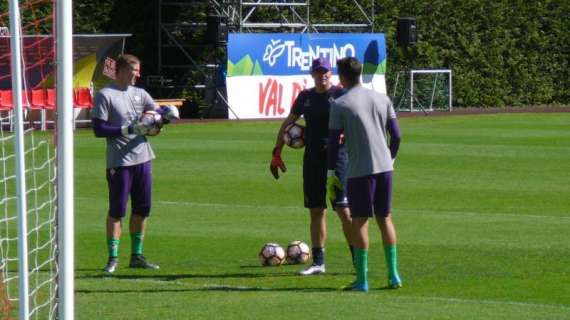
(300, 207)
(408, 298)
(473, 213)
(436, 212)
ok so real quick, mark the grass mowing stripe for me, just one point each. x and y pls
(214, 286)
(451, 214)
(479, 301)
(486, 214)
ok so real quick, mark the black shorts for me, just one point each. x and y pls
(315, 178)
(370, 195)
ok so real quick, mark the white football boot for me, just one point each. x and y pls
(313, 269)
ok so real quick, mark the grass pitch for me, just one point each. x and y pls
(481, 207)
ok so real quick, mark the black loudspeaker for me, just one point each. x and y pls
(407, 32)
(216, 30)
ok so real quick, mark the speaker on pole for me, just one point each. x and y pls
(216, 30)
(406, 32)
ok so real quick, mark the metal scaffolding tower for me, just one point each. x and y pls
(189, 62)
(296, 16)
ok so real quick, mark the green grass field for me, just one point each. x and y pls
(481, 207)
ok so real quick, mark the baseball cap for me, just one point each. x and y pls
(321, 63)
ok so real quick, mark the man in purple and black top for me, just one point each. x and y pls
(314, 105)
(367, 119)
(115, 116)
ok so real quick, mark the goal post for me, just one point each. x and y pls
(36, 168)
(21, 202)
(423, 90)
(65, 164)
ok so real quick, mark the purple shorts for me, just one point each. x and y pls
(134, 181)
(370, 195)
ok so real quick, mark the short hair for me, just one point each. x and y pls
(349, 68)
(126, 60)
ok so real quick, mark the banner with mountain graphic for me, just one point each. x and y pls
(266, 71)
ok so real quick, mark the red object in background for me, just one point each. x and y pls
(82, 98)
(50, 101)
(38, 99)
(6, 100)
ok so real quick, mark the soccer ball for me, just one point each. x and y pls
(271, 254)
(294, 136)
(297, 252)
(153, 121)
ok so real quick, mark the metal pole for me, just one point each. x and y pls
(372, 14)
(159, 36)
(308, 15)
(433, 92)
(411, 90)
(15, 44)
(65, 187)
(450, 90)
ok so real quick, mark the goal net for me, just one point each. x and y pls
(30, 209)
(423, 90)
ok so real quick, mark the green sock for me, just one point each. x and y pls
(361, 265)
(137, 243)
(113, 247)
(391, 254)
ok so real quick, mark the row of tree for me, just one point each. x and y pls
(502, 53)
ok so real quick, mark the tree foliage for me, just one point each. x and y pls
(502, 53)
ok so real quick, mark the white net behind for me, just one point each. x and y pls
(39, 175)
(41, 217)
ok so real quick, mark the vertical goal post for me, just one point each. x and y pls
(36, 168)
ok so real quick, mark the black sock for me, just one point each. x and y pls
(318, 256)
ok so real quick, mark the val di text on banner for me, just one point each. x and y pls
(266, 72)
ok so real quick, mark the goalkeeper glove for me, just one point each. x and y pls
(277, 163)
(169, 113)
(137, 128)
(333, 183)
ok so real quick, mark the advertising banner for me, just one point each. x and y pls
(267, 71)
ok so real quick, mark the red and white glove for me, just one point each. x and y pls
(277, 163)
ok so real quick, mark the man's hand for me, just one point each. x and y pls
(277, 163)
(136, 128)
(333, 183)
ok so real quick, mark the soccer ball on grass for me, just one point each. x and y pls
(271, 254)
(298, 252)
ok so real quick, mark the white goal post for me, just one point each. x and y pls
(36, 186)
(423, 90)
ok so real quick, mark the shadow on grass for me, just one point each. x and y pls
(165, 278)
(211, 288)
(173, 277)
